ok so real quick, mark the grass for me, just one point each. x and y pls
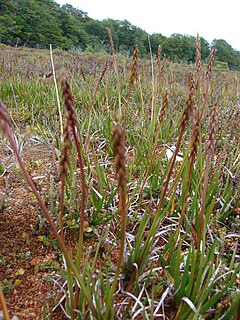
(172, 225)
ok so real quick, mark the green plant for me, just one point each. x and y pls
(159, 242)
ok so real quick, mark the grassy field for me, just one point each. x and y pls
(132, 211)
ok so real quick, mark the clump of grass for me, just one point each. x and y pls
(4, 122)
(192, 156)
(210, 148)
(99, 80)
(170, 260)
(72, 124)
(160, 118)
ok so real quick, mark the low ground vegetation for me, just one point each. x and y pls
(123, 201)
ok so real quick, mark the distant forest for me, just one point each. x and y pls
(38, 23)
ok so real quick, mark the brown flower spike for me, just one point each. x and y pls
(210, 63)
(198, 54)
(119, 154)
(66, 150)
(134, 74)
(164, 107)
(69, 103)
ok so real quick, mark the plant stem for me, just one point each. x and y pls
(61, 243)
(4, 305)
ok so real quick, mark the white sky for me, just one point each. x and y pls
(213, 19)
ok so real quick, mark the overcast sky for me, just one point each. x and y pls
(213, 19)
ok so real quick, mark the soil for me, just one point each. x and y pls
(28, 257)
(30, 260)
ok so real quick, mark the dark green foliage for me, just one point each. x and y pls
(226, 53)
(182, 48)
(156, 39)
(8, 24)
(73, 31)
(39, 23)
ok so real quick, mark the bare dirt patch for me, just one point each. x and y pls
(28, 259)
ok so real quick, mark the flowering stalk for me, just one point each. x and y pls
(4, 123)
(156, 219)
(72, 124)
(119, 155)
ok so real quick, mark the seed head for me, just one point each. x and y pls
(164, 107)
(69, 103)
(191, 83)
(210, 63)
(118, 140)
(195, 141)
(83, 74)
(134, 74)
(64, 163)
(111, 40)
(198, 54)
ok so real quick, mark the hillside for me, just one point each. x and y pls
(39, 23)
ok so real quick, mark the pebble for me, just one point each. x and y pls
(2, 206)
(2, 318)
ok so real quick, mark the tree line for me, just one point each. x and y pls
(38, 23)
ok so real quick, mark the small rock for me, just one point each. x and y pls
(1, 172)
(2, 207)
(2, 318)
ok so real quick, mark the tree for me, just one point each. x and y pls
(113, 25)
(73, 31)
(77, 13)
(8, 24)
(226, 53)
(38, 23)
(172, 47)
(205, 49)
(156, 39)
(97, 34)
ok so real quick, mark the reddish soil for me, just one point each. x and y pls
(27, 264)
